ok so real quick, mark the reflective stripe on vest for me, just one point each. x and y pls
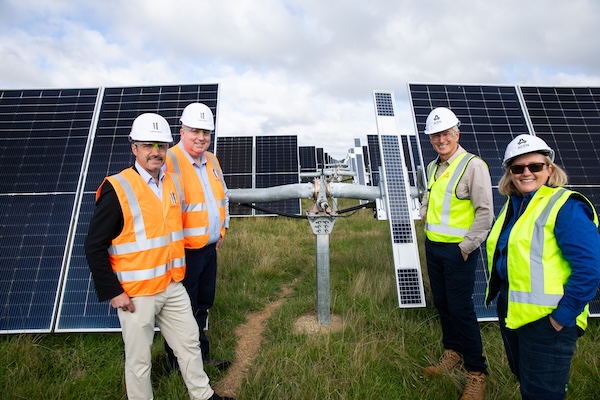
(146, 274)
(442, 231)
(536, 267)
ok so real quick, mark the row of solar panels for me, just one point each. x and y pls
(57, 145)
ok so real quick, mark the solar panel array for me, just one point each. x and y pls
(271, 161)
(57, 145)
(568, 119)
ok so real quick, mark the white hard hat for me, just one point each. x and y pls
(151, 127)
(199, 116)
(439, 120)
(524, 144)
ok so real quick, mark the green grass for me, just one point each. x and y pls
(379, 353)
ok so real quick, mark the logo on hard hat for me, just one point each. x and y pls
(522, 143)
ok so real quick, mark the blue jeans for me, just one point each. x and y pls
(538, 355)
(452, 281)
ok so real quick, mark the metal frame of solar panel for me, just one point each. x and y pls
(567, 118)
(407, 265)
(58, 145)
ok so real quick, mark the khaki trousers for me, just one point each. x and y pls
(172, 312)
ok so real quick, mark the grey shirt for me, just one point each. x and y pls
(475, 185)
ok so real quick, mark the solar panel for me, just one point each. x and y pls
(43, 137)
(235, 156)
(110, 154)
(491, 116)
(568, 119)
(409, 282)
(277, 164)
(374, 158)
(308, 162)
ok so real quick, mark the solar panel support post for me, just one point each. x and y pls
(321, 220)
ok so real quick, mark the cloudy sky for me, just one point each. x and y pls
(299, 67)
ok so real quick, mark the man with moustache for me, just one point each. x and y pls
(136, 255)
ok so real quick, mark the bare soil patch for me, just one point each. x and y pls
(250, 339)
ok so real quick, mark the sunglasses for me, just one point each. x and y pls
(519, 169)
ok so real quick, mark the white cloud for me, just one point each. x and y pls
(304, 67)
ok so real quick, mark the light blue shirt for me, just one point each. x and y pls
(152, 184)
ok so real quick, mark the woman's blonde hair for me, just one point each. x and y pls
(557, 178)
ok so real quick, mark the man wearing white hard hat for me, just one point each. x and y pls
(205, 216)
(135, 252)
(457, 213)
(544, 267)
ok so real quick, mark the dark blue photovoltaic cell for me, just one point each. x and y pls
(111, 153)
(308, 162)
(79, 307)
(277, 154)
(235, 154)
(33, 237)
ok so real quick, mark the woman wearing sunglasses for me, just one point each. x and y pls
(544, 267)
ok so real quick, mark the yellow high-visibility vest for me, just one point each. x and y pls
(448, 217)
(537, 271)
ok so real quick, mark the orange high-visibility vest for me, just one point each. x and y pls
(195, 212)
(149, 251)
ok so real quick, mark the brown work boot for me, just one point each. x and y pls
(474, 386)
(448, 360)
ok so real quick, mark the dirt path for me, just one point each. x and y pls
(250, 339)
(248, 344)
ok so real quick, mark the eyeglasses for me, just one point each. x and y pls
(149, 146)
(519, 169)
(197, 131)
(441, 136)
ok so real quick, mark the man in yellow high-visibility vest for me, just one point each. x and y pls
(457, 213)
